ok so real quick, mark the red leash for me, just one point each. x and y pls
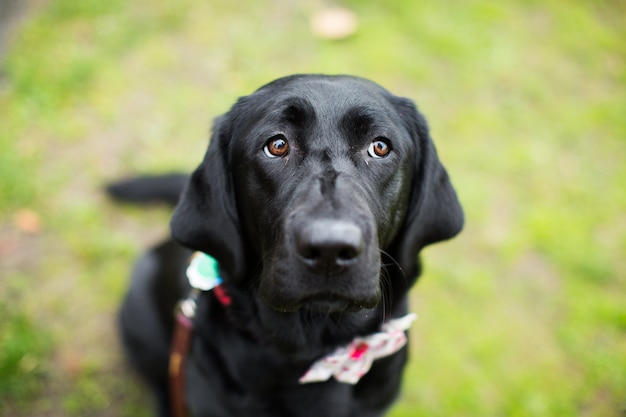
(178, 357)
(181, 341)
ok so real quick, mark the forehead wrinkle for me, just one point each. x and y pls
(329, 99)
(343, 126)
(295, 111)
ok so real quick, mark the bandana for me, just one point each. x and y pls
(350, 363)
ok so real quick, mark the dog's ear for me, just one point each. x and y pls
(206, 217)
(434, 213)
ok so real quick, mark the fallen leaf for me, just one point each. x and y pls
(334, 23)
(27, 221)
(71, 362)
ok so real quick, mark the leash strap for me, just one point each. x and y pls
(203, 275)
(181, 342)
(178, 357)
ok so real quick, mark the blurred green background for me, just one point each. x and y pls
(523, 315)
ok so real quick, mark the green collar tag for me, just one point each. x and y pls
(202, 272)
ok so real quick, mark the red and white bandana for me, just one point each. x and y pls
(348, 364)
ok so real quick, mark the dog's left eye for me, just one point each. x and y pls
(276, 147)
(379, 148)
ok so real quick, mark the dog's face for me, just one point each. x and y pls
(307, 182)
(322, 182)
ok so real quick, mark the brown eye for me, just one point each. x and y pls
(276, 147)
(380, 148)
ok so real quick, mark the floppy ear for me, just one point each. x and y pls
(206, 218)
(434, 213)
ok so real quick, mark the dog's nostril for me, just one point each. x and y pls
(310, 253)
(347, 254)
(329, 244)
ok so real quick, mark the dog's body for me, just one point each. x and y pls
(315, 196)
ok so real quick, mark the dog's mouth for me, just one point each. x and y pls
(329, 303)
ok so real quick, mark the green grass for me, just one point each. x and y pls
(523, 315)
(23, 352)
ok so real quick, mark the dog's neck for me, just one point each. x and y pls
(301, 335)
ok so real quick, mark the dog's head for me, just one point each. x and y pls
(311, 187)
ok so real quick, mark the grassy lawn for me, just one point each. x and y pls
(523, 315)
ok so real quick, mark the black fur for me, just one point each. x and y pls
(315, 247)
(148, 189)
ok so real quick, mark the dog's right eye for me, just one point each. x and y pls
(276, 147)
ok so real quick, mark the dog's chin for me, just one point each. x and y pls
(331, 304)
(307, 329)
(324, 303)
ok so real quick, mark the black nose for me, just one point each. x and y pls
(329, 245)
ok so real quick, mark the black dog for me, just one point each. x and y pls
(315, 196)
